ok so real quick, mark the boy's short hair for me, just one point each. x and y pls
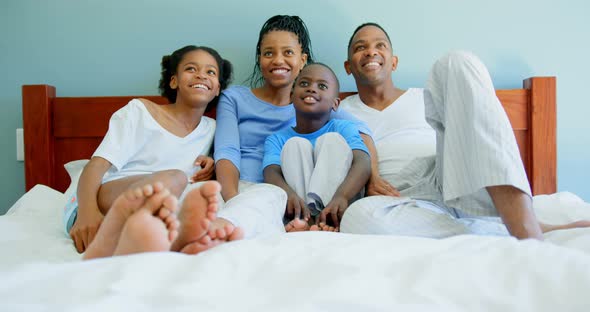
(331, 71)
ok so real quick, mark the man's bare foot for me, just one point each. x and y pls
(297, 225)
(324, 228)
(551, 227)
(199, 227)
(150, 197)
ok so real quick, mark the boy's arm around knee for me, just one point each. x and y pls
(296, 206)
(354, 182)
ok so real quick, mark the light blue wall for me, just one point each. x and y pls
(113, 47)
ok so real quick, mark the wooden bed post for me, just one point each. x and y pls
(543, 139)
(38, 124)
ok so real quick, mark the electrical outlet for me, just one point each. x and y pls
(20, 145)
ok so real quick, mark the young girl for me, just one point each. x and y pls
(147, 142)
(247, 116)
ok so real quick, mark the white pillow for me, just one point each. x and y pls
(74, 169)
(560, 208)
(40, 201)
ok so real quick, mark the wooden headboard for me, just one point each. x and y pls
(61, 129)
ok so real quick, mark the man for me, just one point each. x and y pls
(472, 172)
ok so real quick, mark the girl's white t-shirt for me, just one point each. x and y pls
(137, 144)
(400, 131)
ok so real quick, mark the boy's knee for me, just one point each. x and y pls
(297, 142)
(331, 139)
(296, 145)
(333, 136)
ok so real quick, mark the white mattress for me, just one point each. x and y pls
(40, 270)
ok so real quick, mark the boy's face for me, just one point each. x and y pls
(315, 91)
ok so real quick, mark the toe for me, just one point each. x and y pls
(220, 233)
(172, 235)
(137, 192)
(237, 233)
(171, 203)
(289, 227)
(163, 213)
(147, 190)
(210, 189)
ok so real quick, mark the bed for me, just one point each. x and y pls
(41, 270)
(61, 129)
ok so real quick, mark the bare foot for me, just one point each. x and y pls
(144, 232)
(132, 200)
(324, 228)
(551, 227)
(297, 225)
(199, 227)
(219, 232)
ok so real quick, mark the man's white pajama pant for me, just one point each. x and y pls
(445, 195)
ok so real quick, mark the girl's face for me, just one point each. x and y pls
(281, 58)
(197, 78)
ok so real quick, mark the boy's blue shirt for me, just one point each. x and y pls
(275, 142)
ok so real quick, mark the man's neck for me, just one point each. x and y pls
(380, 96)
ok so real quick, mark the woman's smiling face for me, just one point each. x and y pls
(281, 58)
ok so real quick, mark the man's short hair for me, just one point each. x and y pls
(363, 26)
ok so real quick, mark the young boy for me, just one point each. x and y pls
(322, 164)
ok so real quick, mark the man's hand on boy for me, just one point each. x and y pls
(207, 169)
(296, 207)
(335, 209)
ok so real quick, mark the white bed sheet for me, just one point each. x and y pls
(40, 270)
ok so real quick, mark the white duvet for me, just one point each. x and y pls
(40, 270)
